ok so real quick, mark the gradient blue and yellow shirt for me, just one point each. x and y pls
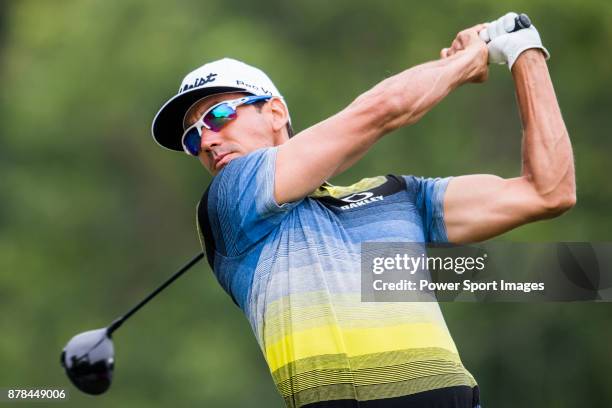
(294, 269)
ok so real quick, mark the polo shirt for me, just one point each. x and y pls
(295, 271)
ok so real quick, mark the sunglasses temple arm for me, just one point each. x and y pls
(118, 322)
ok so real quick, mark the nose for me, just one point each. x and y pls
(209, 139)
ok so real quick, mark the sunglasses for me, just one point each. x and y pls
(214, 119)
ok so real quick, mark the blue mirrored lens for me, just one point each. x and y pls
(219, 116)
(192, 142)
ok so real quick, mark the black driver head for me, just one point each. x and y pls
(89, 359)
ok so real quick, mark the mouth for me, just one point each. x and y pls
(221, 160)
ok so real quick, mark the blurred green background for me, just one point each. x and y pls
(93, 214)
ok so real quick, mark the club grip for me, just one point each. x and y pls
(520, 22)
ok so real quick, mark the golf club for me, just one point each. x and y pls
(89, 357)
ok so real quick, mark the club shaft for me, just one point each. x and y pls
(118, 322)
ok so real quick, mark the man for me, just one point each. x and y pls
(285, 244)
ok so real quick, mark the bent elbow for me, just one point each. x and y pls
(570, 201)
(555, 206)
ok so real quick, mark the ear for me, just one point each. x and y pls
(280, 115)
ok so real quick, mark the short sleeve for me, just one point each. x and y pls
(241, 205)
(428, 196)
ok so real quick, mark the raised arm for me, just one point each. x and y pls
(479, 207)
(329, 147)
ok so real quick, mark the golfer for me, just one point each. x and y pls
(285, 244)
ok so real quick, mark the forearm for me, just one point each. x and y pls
(547, 159)
(330, 147)
(410, 94)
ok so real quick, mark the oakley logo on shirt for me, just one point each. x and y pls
(359, 199)
(353, 198)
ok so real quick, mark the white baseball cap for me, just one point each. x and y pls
(224, 75)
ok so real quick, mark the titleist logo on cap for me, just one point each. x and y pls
(199, 82)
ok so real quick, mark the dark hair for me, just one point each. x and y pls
(289, 130)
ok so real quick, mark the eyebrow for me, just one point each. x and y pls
(199, 112)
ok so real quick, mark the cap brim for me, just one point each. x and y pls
(167, 127)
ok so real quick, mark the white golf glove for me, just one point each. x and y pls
(504, 46)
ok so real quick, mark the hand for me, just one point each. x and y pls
(470, 45)
(504, 47)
